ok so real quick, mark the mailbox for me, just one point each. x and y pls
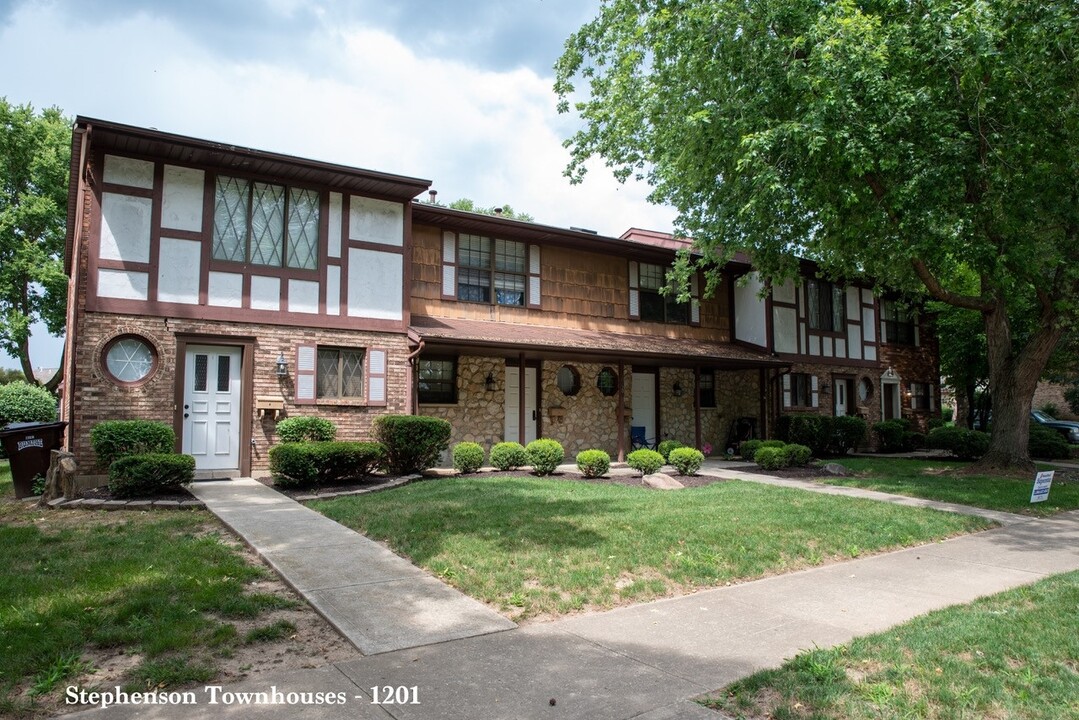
(269, 406)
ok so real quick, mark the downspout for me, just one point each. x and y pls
(414, 379)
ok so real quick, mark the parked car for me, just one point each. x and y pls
(1067, 428)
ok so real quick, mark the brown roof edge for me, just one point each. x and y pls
(78, 138)
(105, 126)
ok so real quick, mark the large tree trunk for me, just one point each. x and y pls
(1012, 379)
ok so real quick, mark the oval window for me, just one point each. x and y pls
(865, 390)
(569, 380)
(607, 382)
(129, 359)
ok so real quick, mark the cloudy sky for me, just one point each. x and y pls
(458, 93)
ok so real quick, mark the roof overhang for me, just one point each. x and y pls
(451, 335)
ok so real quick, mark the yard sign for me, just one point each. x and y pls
(1042, 481)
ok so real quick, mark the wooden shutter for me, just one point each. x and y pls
(932, 396)
(815, 397)
(306, 362)
(787, 390)
(917, 335)
(534, 276)
(376, 376)
(449, 265)
(634, 292)
(695, 299)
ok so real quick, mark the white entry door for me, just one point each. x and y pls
(212, 406)
(513, 417)
(643, 397)
(841, 397)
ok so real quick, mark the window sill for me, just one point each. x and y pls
(341, 402)
(438, 405)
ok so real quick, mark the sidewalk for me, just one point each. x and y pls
(645, 662)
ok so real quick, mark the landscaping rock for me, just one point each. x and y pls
(662, 481)
(837, 470)
(60, 480)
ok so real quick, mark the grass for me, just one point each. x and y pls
(945, 480)
(7, 487)
(545, 546)
(165, 588)
(1012, 655)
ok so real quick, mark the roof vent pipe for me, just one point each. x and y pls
(498, 211)
(432, 196)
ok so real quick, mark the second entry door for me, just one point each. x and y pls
(513, 404)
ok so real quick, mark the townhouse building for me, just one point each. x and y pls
(219, 288)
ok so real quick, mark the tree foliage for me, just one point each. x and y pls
(35, 150)
(917, 143)
(503, 210)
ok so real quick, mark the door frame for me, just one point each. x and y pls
(657, 397)
(247, 378)
(537, 365)
(850, 389)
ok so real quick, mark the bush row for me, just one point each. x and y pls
(310, 464)
(139, 457)
(823, 434)
(775, 454)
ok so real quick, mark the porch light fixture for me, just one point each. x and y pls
(281, 367)
(825, 387)
(677, 389)
(490, 382)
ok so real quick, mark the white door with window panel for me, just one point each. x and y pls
(211, 429)
(513, 416)
(643, 399)
(841, 397)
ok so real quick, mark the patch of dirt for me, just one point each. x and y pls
(808, 471)
(102, 493)
(339, 487)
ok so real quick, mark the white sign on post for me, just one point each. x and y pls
(1042, 481)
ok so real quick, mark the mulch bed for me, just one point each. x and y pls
(102, 493)
(340, 487)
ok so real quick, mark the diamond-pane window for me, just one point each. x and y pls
(267, 223)
(303, 229)
(200, 372)
(339, 373)
(230, 219)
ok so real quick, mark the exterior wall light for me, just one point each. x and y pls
(677, 389)
(490, 382)
(281, 367)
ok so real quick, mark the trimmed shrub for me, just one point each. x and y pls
(22, 402)
(508, 455)
(814, 431)
(665, 448)
(593, 463)
(848, 431)
(467, 457)
(913, 440)
(149, 474)
(306, 429)
(544, 455)
(771, 458)
(964, 444)
(114, 439)
(1046, 443)
(890, 433)
(935, 423)
(294, 465)
(645, 461)
(797, 455)
(413, 442)
(748, 448)
(686, 460)
(946, 414)
(773, 444)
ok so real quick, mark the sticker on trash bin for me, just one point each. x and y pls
(1042, 481)
(30, 443)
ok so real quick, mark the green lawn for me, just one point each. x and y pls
(7, 488)
(163, 586)
(1013, 655)
(946, 480)
(535, 546)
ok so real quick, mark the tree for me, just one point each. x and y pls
(35, 150)
(503, 210)
(915, 142)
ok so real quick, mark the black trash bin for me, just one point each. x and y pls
(29, 447)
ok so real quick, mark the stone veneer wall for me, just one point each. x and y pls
(590, 419)
(98, 398)
(479, 414)
(737, 395)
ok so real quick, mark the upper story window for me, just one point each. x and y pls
(265, 224)
(655, 306)
(491, 269)
(898, 323)
(827, 307)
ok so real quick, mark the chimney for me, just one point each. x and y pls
(432, 195)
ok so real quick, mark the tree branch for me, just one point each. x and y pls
(943, 294)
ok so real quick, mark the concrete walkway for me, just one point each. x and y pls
(645, 662)
(377, 600)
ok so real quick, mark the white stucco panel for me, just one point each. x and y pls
(178, 272)
(181, 198)
(122, 284)
(814, 344)
(749, 312)
(302, 296)
(784, 292)
(125, 228)
(333, 248)
(225, 289)
(854, 302)
(786, 329)
(129, 171)
(333, 290)
(854, 341)
(375, 280)
(265, 293)
(869, 324)
(871, 353)
(376, 221)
